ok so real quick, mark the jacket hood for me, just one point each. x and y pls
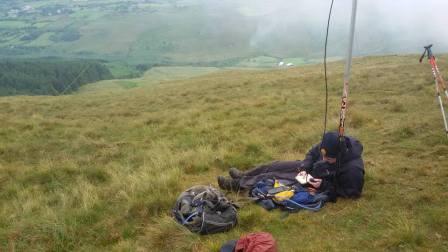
(354, 150)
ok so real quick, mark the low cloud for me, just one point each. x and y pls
(297, 28)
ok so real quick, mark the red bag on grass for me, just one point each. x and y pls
(254, 242)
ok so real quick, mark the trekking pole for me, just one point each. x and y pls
(348, 66)
(440, 84)
(435, 68)
(441, 81)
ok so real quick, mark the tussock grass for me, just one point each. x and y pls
(100, 170)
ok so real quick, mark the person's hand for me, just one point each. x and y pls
(302, 177)
(311, 190)
(315, 182)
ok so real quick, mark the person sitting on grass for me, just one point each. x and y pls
(336, 168)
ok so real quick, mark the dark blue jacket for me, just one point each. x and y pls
(348, 180)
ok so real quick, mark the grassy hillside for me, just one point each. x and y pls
(100, 170)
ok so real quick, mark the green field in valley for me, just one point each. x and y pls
(154, 76)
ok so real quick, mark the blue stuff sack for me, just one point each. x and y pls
(305, 200)
(301, 199)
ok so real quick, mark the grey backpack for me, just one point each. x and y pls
(205, 210)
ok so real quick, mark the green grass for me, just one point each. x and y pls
(120, 69)
(173, 73)
(261, 61)
(154, 76)
(43, 40)
(13, 24)
(99, 171)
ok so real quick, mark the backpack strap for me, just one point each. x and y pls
(312, 207)
(186, 220)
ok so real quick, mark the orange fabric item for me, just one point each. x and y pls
(256, 242)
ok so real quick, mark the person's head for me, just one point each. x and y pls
(326, 158)
(330, 146)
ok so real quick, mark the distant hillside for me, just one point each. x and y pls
(48, 76)
(206, 32)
